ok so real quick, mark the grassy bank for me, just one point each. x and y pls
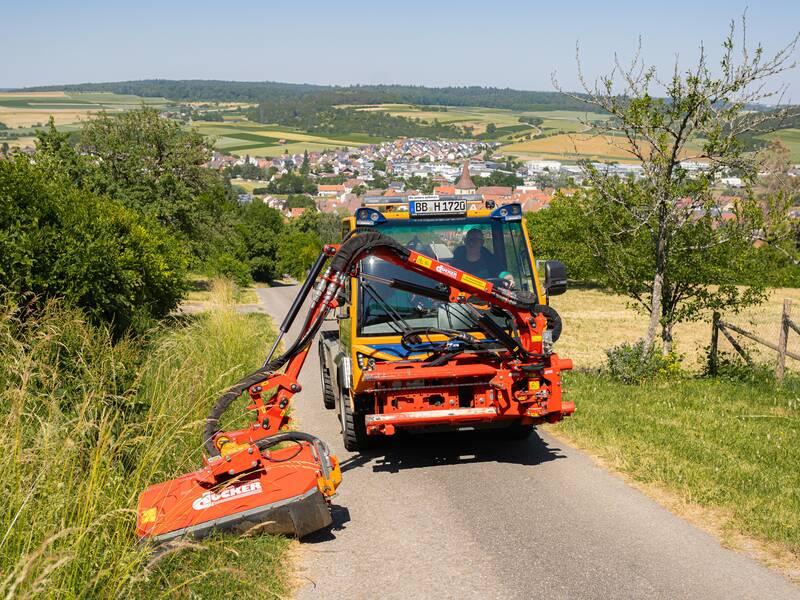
(86, 425)
(729, 446)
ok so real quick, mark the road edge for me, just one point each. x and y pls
(713, 521)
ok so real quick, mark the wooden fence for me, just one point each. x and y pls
(718, 325)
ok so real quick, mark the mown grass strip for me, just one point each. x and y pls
(721, 444)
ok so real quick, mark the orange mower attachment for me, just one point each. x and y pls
(281, 491)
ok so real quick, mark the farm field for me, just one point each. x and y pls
(479, 117)
(26, 109)
(789, 138)
(595, 320)
(565, 146)
(241, 137)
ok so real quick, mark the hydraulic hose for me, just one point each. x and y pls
(354, 246)
(241, 386)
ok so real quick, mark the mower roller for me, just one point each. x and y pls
(268, 478)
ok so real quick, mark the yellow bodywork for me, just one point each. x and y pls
(362, 344)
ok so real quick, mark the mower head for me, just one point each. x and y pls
(286, 492)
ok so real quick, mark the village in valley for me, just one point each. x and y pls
(348, 178)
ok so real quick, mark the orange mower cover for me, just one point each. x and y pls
(286, 493)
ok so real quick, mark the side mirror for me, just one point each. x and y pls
(555, 277)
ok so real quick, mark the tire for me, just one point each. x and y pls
(354, 430)
(328, 395)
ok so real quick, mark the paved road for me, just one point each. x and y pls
(452, 517)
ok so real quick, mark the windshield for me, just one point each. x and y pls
(488, 248)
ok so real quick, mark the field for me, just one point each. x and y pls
(238, 136)
(555, 121)
(789, 138)
(26, 109)
(595, 320)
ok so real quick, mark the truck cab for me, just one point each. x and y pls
(487, 241)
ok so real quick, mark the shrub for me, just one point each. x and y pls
(226, 266)
(59, 241)
(732, 367)
(631, 363)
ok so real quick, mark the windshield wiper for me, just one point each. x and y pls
(399, 324)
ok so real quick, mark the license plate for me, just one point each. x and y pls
(424, 208)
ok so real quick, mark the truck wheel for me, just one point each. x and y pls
(354, 430)
(328, 397)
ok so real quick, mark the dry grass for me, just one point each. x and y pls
(27, 117)
(567, 146)
(595, 320)
(33, 94)
(214, 294)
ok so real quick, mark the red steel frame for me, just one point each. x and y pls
(540, 400)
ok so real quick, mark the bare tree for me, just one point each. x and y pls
(697, 115)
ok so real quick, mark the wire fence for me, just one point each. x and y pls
(766, 337)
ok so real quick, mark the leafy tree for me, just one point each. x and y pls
(260, 227)
(292, 183)
(297, 250)
(305, 168)
(379, 165)
(154, 166)
(326, 226)
(302, 240)
(501, 178)
(651, 230)
(601, 242)
(779, 193)
(491, 128)
(57, 240)
(248, 170)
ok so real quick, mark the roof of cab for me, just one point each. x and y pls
(397, 207)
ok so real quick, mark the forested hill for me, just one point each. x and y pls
(269, 91)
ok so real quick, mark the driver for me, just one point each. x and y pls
(473, 258)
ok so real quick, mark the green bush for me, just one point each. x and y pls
(226, 266)
(732, 367)
(631, 363)
(59, 241)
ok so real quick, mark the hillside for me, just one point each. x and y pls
(270, 91)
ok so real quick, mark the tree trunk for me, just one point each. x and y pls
(657, 290)
(655, 311)
(666, 336)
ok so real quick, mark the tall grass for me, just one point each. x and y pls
(86, 425)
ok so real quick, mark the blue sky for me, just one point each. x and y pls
(514, 44)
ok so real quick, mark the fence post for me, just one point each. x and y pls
(780, 366)
(712, 355)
